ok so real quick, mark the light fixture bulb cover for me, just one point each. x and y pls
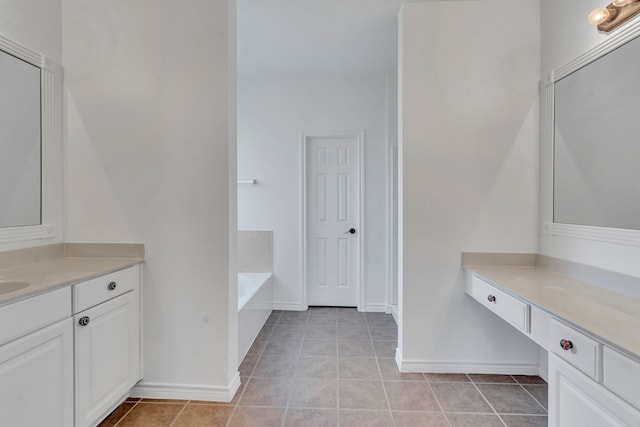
(620, 3)
(599, 15)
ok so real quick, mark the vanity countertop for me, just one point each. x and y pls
(611, 316)
(64, 267)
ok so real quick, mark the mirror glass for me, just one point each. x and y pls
(597, 142)
(20, 143)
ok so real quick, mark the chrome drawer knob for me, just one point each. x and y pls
(491, 298)
(112, 286)
(84, 321)
(566, 344)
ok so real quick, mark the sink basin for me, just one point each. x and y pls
(6, 287)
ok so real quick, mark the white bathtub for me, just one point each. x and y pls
(255, 303)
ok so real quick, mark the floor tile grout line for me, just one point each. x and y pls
(546, 411)
(235, 407)
(290, 381)
(260, 354)
(475, 413)
(518, 414)
(179, 413)
(384, 387)
(489, 403)
(437, 401)
(127, 413)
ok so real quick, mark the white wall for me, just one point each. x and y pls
(150, 159)
(36, 24)
(468, 147)
(566, 34)
(272, 112)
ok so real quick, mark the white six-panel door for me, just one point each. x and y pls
(333, 220)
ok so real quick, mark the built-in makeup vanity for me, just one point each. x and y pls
(586, 318)
(69, 332)
(590, 333)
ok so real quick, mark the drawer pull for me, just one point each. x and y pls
(84, 321)
(491, 298)
(111, 286)
(566, 344)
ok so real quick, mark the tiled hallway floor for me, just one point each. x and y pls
(336, 367)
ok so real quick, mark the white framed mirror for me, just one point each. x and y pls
(26, 144)
(590, 182)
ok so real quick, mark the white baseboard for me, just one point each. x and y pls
(394, 313)
(289, 306)
(376, 308)
(543, 372)
(466, 367)
(398, 358)
(186, 391)
(296, 306)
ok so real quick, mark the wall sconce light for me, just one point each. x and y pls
(614, 15)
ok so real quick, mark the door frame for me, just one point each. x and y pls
(305, 137)
(393, 174)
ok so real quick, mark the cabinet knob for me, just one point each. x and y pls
(84, 321)
(112, 286)
(566, 344)
(491, 298)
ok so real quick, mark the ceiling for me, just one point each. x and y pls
(308, 37)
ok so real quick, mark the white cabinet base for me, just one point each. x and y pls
(107, 356)
(36, 378)
(577, 401)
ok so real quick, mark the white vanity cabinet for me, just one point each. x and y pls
(36, 361)
(107, 343)
(578, 396)
(577, 401)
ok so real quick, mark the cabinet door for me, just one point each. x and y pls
(577, 401)
(36, 378)
(107, 354)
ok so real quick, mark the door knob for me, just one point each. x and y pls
(350, 231)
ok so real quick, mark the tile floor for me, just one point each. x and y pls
(335, 367)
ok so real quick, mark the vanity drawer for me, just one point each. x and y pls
(621, 375)
(22, 317)
(95, 291)
(501, 303)
(576, 348)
